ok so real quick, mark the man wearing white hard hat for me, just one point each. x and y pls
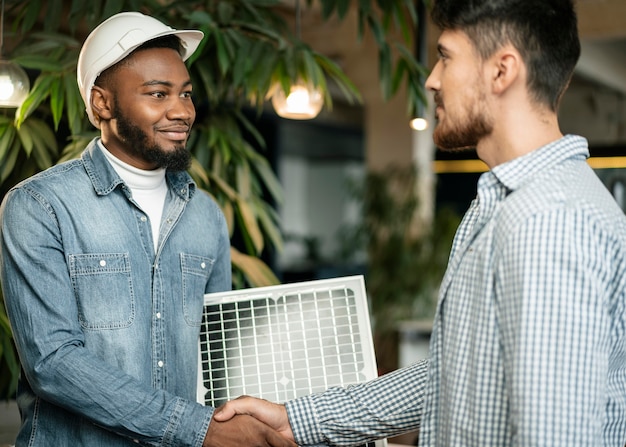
(105, 261)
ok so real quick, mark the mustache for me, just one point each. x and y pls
(437, 99)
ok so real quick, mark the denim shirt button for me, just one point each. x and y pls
(203, 265)
(143, 218)
(102, 263)
(160, 363)
(158, 315)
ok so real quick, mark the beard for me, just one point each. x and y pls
(139, 145)
(466, 133)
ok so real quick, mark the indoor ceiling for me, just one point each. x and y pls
(602, 25)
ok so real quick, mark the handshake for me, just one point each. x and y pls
(248, 421)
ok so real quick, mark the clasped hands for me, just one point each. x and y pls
(251, 422)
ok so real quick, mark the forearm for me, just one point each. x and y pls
(387, 406)
(72, 378)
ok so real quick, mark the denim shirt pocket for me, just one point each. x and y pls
(196, 271)
(103, 287)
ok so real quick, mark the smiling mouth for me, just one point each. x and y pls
(175, 133)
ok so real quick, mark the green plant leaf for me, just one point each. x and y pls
(36, 62)
(268, 221)
(270, 181)
(384, 70)
(39, 92)
(57, 101)
(74, 105)
(44, 142)
(257, 273)
(6, 139)
(31, 14)
(9, 161)
(25, 135)
(250, 226)
(54, 11)
(347, 87)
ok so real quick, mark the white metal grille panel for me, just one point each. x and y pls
(285, 341)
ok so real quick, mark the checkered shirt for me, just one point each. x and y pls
(529, 340)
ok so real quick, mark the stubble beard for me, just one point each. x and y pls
(139, 145)
(465, 134)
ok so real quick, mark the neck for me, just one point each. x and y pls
(518, 131)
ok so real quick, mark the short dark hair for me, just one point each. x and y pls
(169, 41)
(545, 32)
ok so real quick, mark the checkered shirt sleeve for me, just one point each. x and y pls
(388, 405)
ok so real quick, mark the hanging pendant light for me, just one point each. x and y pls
(14, 83)
(304, 101)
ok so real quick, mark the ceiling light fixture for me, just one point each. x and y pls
(14, 83)
(304, 100)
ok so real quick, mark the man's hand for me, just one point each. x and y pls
(243, 430)
(274, 415)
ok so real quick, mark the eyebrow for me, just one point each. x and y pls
(442, 49)
(165, 83)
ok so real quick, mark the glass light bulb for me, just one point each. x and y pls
(6, 88)
(304, 101)
(14, 84)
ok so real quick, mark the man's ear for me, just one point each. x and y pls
(102, 103)
(506, 68)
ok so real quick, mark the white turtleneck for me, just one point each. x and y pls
(148, 189)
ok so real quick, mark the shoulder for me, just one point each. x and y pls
(572, 189)
(567, 207)
(59, 180)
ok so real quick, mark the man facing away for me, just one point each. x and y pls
(529, 340)
(105, 261)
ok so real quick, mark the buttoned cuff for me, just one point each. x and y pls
(303, 420)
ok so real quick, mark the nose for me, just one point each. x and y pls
(181, 108)
(433, 82)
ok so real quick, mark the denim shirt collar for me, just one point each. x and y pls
(105, 179)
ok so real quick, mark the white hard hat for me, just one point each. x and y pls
(116, 38)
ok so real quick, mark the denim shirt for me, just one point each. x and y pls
(107, 329)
